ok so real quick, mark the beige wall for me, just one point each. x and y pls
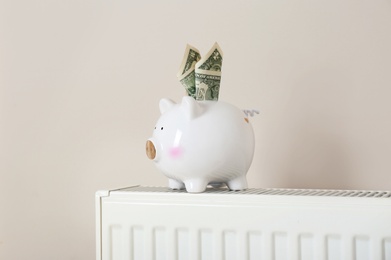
(80, 83)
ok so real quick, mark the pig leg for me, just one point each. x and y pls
(175, 185)
(196, 186)
(239, 183)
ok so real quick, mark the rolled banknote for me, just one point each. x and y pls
(208, 74)
(186, 73)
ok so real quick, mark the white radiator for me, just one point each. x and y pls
(158, 223)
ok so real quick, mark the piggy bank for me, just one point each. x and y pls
(196, 143)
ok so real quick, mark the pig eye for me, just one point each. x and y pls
(161, 128)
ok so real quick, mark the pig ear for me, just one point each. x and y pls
(191, 107)
(165, 104)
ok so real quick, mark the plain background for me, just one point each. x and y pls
(80, 83)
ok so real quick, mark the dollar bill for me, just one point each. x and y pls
(208, 74)
(186, 73)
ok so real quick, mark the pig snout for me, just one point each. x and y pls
(151, 150)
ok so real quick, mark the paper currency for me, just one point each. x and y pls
(186, 73)
(201, 77)
(208, 74)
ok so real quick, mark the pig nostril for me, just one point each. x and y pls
(150, 149)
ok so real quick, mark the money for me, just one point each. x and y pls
(201, 77)
(186, 73)
(208, 74)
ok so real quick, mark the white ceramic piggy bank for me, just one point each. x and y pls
(196, 143)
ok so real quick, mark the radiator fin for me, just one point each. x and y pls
(160, 245)
(183, 243)
(230, 245)
(254, 245)
(207, 244)
(285, 192)
(280, 246)
(115, 241)
(387, 248)
(306, 244)
(333, 247)
(137, 235)
(361, 248)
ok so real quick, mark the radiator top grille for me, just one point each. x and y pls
(269, 191)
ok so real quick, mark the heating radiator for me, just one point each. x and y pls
(158, 223)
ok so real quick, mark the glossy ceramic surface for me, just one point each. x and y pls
(196, 143)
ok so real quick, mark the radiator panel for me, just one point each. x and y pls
(157, 223)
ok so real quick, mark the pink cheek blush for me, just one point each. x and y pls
(175, 152)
